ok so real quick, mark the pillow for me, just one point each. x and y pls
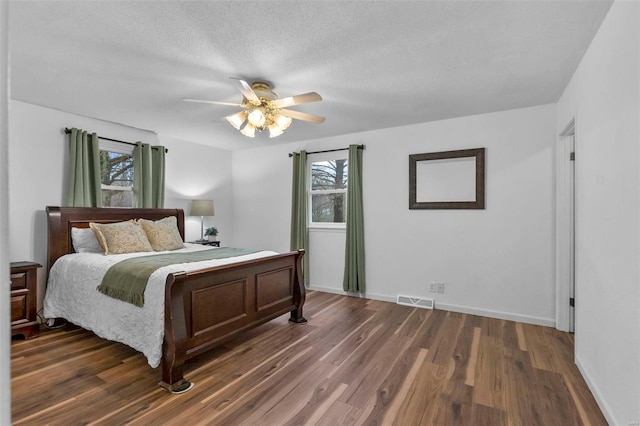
(163, 234)
(121, 237)
(84, 241)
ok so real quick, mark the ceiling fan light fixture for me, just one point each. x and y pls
(249, 130)
(262, 109)
(283, 122)
(237, 119)
(275, 130)
(257, 117)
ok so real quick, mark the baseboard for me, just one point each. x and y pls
(595, 392)
(547, 322)
(346, 293)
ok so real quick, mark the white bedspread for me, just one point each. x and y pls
(71, 294)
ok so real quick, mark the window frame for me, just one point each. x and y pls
(317, 158)
(120, 148)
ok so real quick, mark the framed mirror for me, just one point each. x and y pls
(447, 180)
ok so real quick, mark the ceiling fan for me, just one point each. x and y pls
(262, 109)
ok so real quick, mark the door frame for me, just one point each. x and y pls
(565, 227)
(5, 287)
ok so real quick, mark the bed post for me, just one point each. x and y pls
(299, 291)
(175, 336)
(56, 247)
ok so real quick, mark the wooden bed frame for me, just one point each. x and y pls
(254, 291)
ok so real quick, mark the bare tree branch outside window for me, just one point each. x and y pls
(116, 170)
(328, 191)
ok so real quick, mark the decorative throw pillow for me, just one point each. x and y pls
(121, 237)
(84, 241)
(163, 234)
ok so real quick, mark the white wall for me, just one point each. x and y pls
(496, 262)
(38, 162)
(5, 315)
(603, 97)
(195, 171)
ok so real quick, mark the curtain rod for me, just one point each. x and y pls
(68, 130)
(329, 150)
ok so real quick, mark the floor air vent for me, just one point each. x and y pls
(416, 302)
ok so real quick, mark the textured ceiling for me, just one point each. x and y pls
(376, 64)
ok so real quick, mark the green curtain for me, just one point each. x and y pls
(354, 278)
(84, 188)
(148, 176)
(299, 217)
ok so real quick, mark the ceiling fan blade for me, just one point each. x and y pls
(213, 102)
(302, 116)
(247, 91)
(297, 100)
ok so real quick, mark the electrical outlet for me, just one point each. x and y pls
(432, 287)
(440, 287)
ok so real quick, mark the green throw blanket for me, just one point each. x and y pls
(127, 280)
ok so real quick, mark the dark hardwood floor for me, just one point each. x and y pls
(357, 361)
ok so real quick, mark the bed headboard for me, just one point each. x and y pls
(60, 220)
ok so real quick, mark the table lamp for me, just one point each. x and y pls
(201, 208)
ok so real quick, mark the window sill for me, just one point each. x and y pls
(332, 228)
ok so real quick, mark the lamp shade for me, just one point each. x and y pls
(202, 208)
(249, 130)
(237, 119)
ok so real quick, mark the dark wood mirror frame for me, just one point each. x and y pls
(478, 203)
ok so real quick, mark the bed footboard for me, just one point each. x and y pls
(206, 308)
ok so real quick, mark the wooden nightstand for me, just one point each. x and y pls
(24, 296)
(206, 243)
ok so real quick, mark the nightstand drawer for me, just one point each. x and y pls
(18, 281)
(19, 306)
(24, 293)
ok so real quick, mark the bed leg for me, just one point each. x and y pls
(296, 316)
(299, 291)
(174, 347)
(177, 388)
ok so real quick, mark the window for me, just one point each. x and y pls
(116, 174)
(328, 192)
